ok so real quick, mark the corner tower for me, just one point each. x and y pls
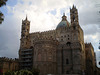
(25, 51)
(74, 15)
(78, 43)
(25, 33)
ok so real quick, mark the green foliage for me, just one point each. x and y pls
(34, 71)
(23, 72)
(2, 2)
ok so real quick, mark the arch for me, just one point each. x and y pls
(50, 56)
(68, 43)
(73, 17)
(74, 27)
(31, 47)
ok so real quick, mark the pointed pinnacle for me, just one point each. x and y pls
(26, 17)
(73, 5)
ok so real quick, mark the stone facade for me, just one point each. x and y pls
(90, 59)
(45, 55)
(59, 51)
(7, 64)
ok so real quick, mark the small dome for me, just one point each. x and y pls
(63, 23)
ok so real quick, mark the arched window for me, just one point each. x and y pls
(68, 38)
(61, 39)
(31, 47)
(73, 18)
(67, 61)
(50, 56)
(74, 27)
(68, 43)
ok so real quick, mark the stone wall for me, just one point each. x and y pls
(45, 55)
(8, 64)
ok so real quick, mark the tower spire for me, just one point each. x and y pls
(26, 17)
(73, 5)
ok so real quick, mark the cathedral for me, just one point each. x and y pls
(59, 52)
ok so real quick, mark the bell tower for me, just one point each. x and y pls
(74, 15)
(25, 28)
(25, 52)
(78, 48)
(25, 33)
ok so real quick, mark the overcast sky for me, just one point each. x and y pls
(45, 15)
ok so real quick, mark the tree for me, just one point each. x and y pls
(23, 72)
(2, 2)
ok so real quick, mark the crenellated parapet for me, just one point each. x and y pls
(87, 45)
(44, 40)
(8, 59)
(8, 64)
(90, 58)
(44, 33)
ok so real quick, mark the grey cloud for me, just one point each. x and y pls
(91, 29)
(9, 41)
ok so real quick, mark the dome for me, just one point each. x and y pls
(63, 23)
